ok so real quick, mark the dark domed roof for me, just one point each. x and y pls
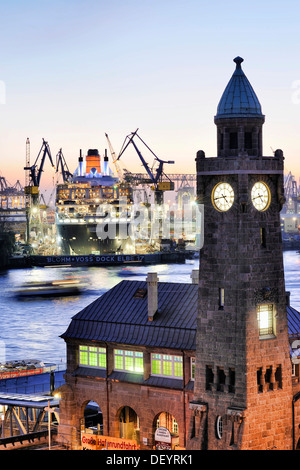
(239, 98)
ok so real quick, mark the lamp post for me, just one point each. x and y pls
(49, 410)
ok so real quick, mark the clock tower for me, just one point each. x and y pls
(243, 389)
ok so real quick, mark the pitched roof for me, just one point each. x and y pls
(293, 321)
(239, 98)
(120, 316)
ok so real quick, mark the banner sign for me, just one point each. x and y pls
(96, 442)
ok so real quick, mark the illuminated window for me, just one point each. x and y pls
(265, 317)
(129, 361)
(166, 365)
(193, 362)
(92, 356)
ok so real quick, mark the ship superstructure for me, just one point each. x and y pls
(93, 209)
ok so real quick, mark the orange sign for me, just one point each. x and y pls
(96, 442)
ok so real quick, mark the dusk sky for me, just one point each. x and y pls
(73, 70)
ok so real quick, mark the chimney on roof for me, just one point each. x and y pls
(287, 298)
(152, 281)
(195, 276)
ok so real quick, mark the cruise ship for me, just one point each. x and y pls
(93, 210)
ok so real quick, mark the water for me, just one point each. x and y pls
(31, 328)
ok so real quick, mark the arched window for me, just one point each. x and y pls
(219, 427)
(93, 418)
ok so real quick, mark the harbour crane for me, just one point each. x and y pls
(61, 162)
(33, 179)
(159, 186)
(114, 159)
(35, 172)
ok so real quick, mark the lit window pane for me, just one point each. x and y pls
(265, 319)
(139, 366)
(129, 363)
(119, 362)
(178, 369)
(102, 360)
(93, 359)
(167, 368)
(83, 358)
(156, 369)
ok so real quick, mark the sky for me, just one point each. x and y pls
(71, 71)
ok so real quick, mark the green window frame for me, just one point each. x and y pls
(193, 364)
(128, 361)
(165, 365)
(92, 356)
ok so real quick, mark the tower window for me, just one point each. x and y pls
(209, 377)
(259, 380)
(248, 140)
(221, 380)
(221, 141)
(265, 317)
(233, 140)
(231, 385)
(278, 376)
(263, 237)
(219, 427)
(268, 378)
(221, 298)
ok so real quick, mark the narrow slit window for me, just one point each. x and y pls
(233, 140)
(221, 298)
(248, 140)
(263, 237)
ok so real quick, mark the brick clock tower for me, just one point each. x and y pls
(243, 388)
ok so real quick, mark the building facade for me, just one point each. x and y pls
(132, 352)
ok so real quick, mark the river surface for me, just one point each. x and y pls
(31, 328)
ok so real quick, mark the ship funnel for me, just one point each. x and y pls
(105, 165)
(93, 160)
(80, 160)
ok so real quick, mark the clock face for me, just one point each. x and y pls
(260, 195)
(222, 196)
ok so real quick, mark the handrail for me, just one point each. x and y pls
(25, 437)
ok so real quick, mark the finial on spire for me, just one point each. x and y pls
(238, 61)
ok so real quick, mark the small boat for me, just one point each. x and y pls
(49, 288)
(21, 368)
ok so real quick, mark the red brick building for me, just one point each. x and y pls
(132, 352)
(138, 367)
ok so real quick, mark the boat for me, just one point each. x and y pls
(21, 368)
(93, 210)
(49, 288)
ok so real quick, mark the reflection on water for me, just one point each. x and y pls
(292, 276)
(31, 328)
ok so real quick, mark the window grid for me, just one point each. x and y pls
(92, 356)
(164, 365)
(129, 361)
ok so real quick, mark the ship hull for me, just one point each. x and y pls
(82, 239)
